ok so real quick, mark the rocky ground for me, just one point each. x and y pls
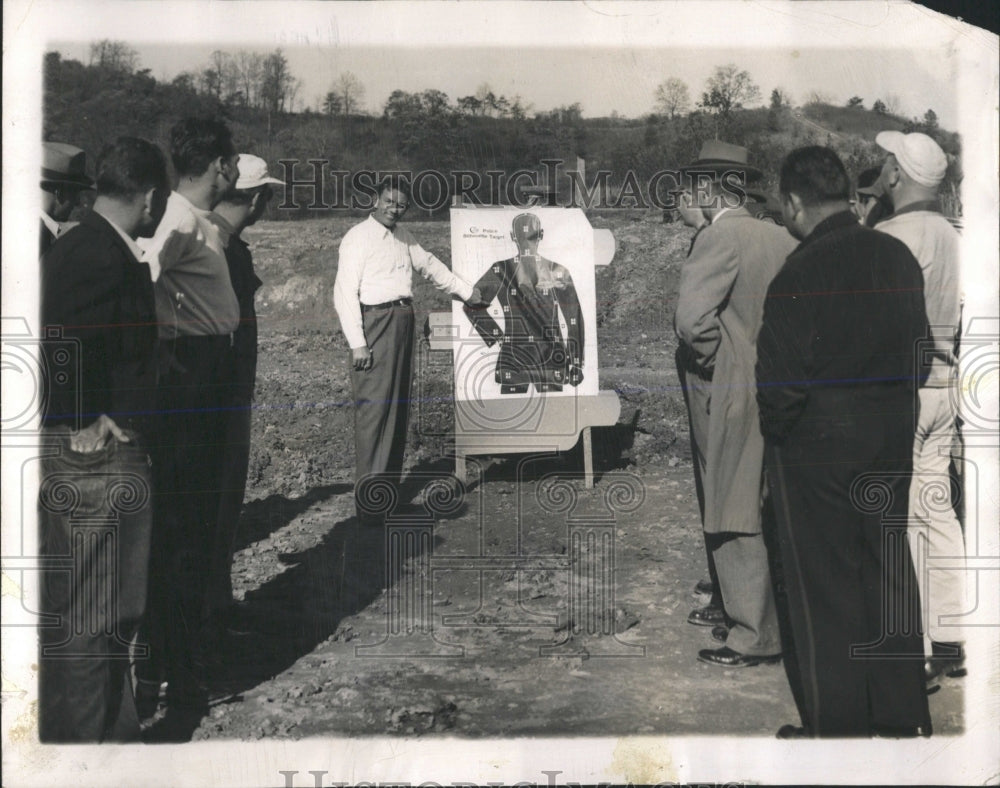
(517, 604)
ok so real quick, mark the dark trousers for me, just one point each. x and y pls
(839, 485)
(382, 404)
(193, 394)
(233, 486)
(95, 520)
(697, 394)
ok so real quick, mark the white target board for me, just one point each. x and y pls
(538, 335)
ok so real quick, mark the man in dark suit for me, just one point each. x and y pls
(837, 375)
(94, 501)
(719, 308)
(532, 290)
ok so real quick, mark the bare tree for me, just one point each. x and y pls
(115, 56)
(892, 104)
(729, 89)
(672, 97)
(351, 92)
(294, 86)
(780, 98)
(332, 104)
(249, 66)
(276, 82)
(818, 97)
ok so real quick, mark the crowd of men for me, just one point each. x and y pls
(819, 380)
(143, 489)
(817, 362)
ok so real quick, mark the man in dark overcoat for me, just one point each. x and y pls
(837, 375)
(95, 510)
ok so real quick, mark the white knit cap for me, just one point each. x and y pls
(918, 155)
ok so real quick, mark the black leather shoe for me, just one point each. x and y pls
(947, 659)
(720, 632)
(728, 658)
(147, 697)
(704, 587)
(707, 616)
(792, 732)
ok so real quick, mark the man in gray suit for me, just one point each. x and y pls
(719, 311)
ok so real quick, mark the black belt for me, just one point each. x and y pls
(205, 339)
(387, 304)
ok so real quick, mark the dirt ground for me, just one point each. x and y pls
(475, 612)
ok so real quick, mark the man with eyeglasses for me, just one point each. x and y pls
(373, 296)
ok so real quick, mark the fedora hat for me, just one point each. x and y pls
(719, 157)
(65, 165)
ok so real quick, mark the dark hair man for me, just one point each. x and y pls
(836, 375)
(198, 313)
(95, 288)
(373, 298)
(64, 179)
(719, 308)
(871, 204)
(238, 210)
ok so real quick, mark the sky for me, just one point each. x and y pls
(603, 79)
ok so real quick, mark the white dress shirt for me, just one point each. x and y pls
(376, 266)
(187, 260)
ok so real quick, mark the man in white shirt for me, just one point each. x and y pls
(373, 298)
(197, 312)
(911, 175)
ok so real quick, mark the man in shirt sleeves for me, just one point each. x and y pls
(912, 173)
(198, 312)
(373, 298)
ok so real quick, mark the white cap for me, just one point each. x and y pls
(253, 172)
(918, 155)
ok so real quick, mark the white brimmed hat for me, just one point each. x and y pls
(918, 155)
(253, 172)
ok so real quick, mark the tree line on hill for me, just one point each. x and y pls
(258, 96)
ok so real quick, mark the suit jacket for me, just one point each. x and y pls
(532, 346)
(843, 322)
(102, 296)
(719, 311)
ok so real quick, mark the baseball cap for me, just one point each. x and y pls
(253, 172)
(918, 155)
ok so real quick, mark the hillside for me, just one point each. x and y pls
(92, 105)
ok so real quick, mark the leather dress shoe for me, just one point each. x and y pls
(728, 658)
(792, 732)
(704, 587)
(720, 632)
(147, 697)
(946, 659)
(707, 616)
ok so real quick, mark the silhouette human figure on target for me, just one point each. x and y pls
(532, 290)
